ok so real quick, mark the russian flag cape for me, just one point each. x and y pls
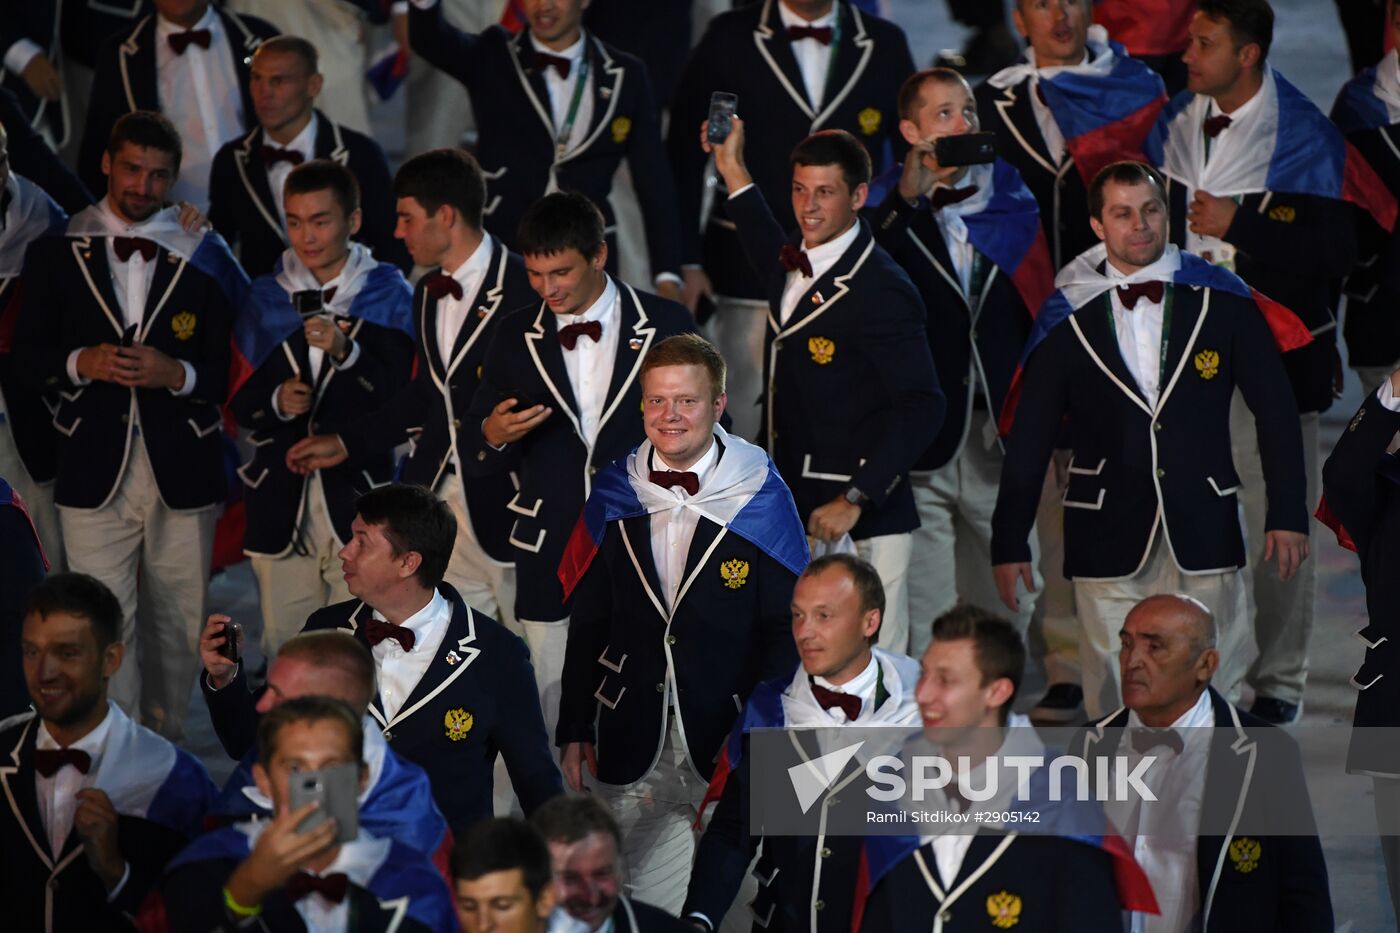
(386, 868)
(30, 215)
(1002, 222)
(1371, 99)
(369, 290)
(1147, 27)
(8, 496)
(744, 494)
(1290, 148)
(1081, 282)
(1104, 108)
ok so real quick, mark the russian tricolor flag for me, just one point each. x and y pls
(1147, 27)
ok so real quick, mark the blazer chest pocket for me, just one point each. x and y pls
(205, 421)
(1085, 489)
(1224, 483)
(66, 417)
(831, 468)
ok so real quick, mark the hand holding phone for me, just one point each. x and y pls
(966, 149)
(723, 106)
(335, 790)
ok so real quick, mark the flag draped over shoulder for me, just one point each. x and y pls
(744, 494)
(1371, 99)
(1290, 148)
(1081, 282)
(30, 215)
(1105, 107)
(8, 496)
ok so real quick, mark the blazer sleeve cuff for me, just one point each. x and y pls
(567, 732)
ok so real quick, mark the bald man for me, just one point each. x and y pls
(1223, 780)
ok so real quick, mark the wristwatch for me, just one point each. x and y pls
(855, 497)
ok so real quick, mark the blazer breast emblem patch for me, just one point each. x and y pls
(1005, 910)
(458, 722)
(1244, 853)
(869, 120)
(621, 127)
(735, 573)
(822, 350)
(1283, 214)
(183, 325)
(1207, 363)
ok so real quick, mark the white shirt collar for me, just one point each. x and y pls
(832, 249)
(1243, 111)
(1163, 265)
(790, 18)
(702, 468)
(303, 142)
(93, 743)
(1201, 715)
(438, 607)
(573, 53)
(600, 310)
(210, 21)
(862, 685)
(476, 265)
(1049, 70)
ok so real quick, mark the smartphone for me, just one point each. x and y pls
(723, 106)
(523, 401)
(232, 648)
(307, 303)
(337, 790)
(129, 335)
(967, 149)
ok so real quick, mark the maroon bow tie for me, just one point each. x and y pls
(376, 630)
(668, 478)
(568, 336)
(327, 295)
(544, 61)
(124, 246)
(274, 154)
(821, 33)
(439, 284)
(1040, 95)
(179, 41)
(1129, 294)
(1214, 125)
(1144, 740)
(332, 887)
(47, 761)
(849, 702)
(795, 260)
(942, 197)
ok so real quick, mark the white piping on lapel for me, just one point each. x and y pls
(641, 330)
(129, 48)
(1185, 352)
(8, 771)
(867, 48)
(468, 653)
(685, 587)
(533, 337)
(946, 900)
(86, 243)
(1243, 745)
(399, 905)
(150, 317)
(339, 154)
(1137, 399)
(761, 35)
(544, 115)
(1003, 110)
(494, 295)
(618, 73)
(241, 155)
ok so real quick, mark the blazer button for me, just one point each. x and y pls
(592, 470)
(946, 916)
(481, 455)
(126, 419)
(967, 380)
(826, 853)
(1156, 425)
(457, 423)
(388, 736)
(820, 905)
(660, 688)
(973, 334)
(670, 639)
(1161, 472)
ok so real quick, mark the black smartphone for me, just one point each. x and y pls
(129, 335)
(523, 401)
(967, 149)
(723, 106)
(232, 648)
(336, 788)
(307, 303)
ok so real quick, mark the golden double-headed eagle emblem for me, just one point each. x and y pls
(735, 573)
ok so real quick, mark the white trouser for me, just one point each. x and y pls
(38, 499)
(889, 555)
(295, 585)
(951, 560)
(1282, 612)
(1104, 604)
(485, 585)
(737, 330)
(1054, 633)
(132, 540)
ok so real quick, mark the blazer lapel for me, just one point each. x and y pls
(1186, 317)
(487, 301)
(637, 531)
(243, 42)
(454, 655)
(164, 276)
(771, 39)
(702, 544)
(356, 624)
(1092, 321)
(252, 171)
(90, 254)
(607, 77)
(330, 144)
(830, 287)
(17, 783)
(427, 330)
(635, 334)
(532, 81)
(548, 356)
(136, 66)
(1014, 108)
(852, 56)
(928, 237)
(1229, 774)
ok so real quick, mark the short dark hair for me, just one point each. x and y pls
(568, 819)
(335, 649)
(309, 709)
(292, 45)
(413, 520)
(322, 175)
(444, 176)
(996, 645)
(1123, 173)
(867, 581)
(1249, 21)
(687, 350)
(502, 844)
(835, 147)
(81, 596)
(913, 87)
(561, 221)
(149, 130)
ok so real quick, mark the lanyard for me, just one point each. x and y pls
(1166, 327)
(561, 141)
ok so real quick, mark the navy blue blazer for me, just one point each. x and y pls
(724, 634)
(1254, 774)
(1132, 464)
(977, 336)
(36, 21)
(476, 701)
(430, 411)
(1058, 189)
(124, 79)
(21, 569)
(276, 497)
(1293, 248)
(31, 157)
(28, 411)
(554, 462)
(852, 397)
(242, 206)
(1372, 286)
(746, 52)
(517, 136)
(69, 303)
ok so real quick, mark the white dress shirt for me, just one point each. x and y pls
(399, 671)
(1385, 394)
(316, 358)
(813, 58)
(862, 685)
(131, 283)
(200, 94)
(1139, 334)
(822, 259)
(561, 90)
(1226, 146)
(954, 229)
(452, 312)
(1163, 833)
(672, 531)
(56, 794)
(303, 143)
(589, 363)
(1044, 119)
(358, 860)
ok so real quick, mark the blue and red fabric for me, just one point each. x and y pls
(1147, 27)
(1358, 107)
(8, 497)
